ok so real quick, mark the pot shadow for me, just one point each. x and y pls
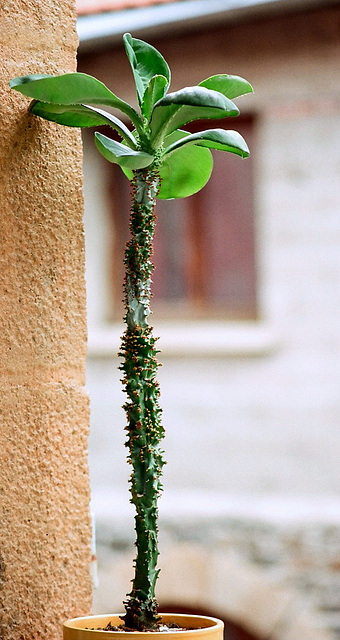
(232, 631)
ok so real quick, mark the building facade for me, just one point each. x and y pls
(251, 400)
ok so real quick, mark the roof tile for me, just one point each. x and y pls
(85, 7)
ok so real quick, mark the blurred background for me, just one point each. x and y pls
(246, 304)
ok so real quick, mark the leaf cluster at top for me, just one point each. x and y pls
(183, 160)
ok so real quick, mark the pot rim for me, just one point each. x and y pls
(208, 622)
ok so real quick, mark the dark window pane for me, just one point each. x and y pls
(204, 251)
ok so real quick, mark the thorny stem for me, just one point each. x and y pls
(144, 426)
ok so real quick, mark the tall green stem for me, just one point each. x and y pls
(144, 426)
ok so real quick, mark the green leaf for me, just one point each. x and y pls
(16, 82)
(199, 97)
(183, 106)
(80, 115)
(185, 171)
(72, 88)
(154, 92)
(119, 153)
(220, 139)
(127, 172)
(146, 62)
(231, 86)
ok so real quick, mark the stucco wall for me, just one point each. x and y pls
(44, 522)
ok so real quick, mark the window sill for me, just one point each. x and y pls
(181, 506)
(193, 339)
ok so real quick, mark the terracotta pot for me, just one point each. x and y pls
(197, 628)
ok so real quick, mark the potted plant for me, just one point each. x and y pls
(162, 161)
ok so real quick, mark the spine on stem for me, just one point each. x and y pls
(144, 427)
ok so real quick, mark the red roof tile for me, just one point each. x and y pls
(100, 6)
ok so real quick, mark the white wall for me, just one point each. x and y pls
(265, 424)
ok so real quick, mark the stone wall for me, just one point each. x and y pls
(233, 577)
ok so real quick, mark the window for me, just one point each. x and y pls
(204, 245)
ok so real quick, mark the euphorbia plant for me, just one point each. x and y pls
(162, 161)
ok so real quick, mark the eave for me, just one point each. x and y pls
(106, 29)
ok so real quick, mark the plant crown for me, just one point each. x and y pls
(183, 159)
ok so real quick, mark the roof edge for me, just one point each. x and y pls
(106, 29)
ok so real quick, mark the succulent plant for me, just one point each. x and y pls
(161, 160)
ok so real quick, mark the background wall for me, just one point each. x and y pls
(252, 431)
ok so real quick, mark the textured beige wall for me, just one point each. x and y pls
(44, 491)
